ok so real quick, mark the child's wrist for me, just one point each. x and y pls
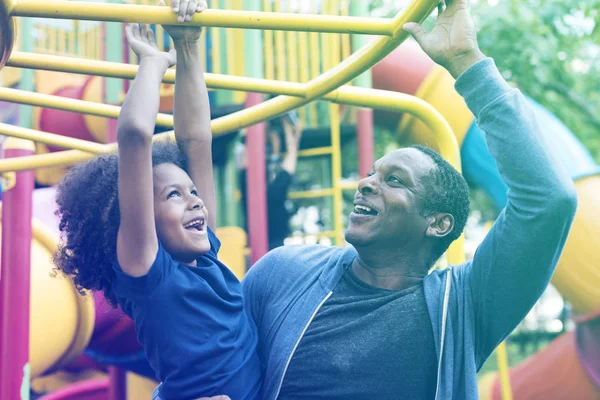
(155, 61)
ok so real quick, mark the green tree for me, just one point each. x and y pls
(550, 49)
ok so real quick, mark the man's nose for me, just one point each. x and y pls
(367, 185)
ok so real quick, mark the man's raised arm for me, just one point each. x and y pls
(514, 263)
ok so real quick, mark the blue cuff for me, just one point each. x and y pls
(481, 84)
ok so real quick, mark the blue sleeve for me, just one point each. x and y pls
(139, 288)
(514, 263)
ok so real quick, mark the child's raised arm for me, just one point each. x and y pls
(191, 110)
(137, 243)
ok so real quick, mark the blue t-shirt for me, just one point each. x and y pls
(193, 326)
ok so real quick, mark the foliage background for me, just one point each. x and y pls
(549, 48)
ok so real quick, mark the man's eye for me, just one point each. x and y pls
(395, 179)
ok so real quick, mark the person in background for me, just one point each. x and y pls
(280, 173)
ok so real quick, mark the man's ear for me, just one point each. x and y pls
(440, 225)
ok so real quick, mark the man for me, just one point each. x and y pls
(368, 321)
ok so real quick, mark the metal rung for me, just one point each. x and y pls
(348, 185)
(317, 151)
(311, 194)
(329, 234)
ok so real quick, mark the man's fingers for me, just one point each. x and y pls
(175, 5)
(415, 30)
(201, 6)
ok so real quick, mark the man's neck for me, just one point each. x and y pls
(391, 271)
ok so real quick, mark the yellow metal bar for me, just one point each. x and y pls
(344, 95)
(348, 185)
(128, 71)
(160, 37)
(73, 38)
(280, 67)
(317, 151)
(216, 44)
(292, 51)
(98, 42)
(89, 44)
(346, 48)
(212, 17)
(336, 172)
(80, 40)
(311, 194)
(52, 40)
(329, 234)
(336, 155)
(238, 63)
(269, 55)
(66, 104)
(315, 69)
(62, 41)
(360, 61)
(303, 57)
(203, 51)
(503, 371)
(230, 50)
(52, 139)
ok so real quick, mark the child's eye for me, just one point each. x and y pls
(194, 193)
(173, 193)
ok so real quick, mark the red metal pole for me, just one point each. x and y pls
(14, 277)
(364, 133)
(256, 187)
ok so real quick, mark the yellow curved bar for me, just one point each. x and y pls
(212, 17)
(52, 139)
(348, 95)
(128, 71)
(67, 104)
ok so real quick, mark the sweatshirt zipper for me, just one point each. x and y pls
(287, 364)
(444, 318)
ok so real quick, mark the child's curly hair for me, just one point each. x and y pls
(88, 208)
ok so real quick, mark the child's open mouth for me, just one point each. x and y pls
(195, 225)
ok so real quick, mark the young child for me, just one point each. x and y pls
(138, 227)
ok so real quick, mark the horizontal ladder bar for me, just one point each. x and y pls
(93, 11)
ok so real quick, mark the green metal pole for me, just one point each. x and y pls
(364, 121)
(113, 48)
(27, 75)
(360, 8)
(223, 96)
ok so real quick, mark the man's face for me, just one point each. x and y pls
(388, 203)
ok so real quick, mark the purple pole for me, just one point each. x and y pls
(14, 277)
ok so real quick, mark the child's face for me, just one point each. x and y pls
(179, 214)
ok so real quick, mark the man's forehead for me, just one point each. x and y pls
(408, 158)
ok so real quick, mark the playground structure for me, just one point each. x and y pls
(108, 337)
